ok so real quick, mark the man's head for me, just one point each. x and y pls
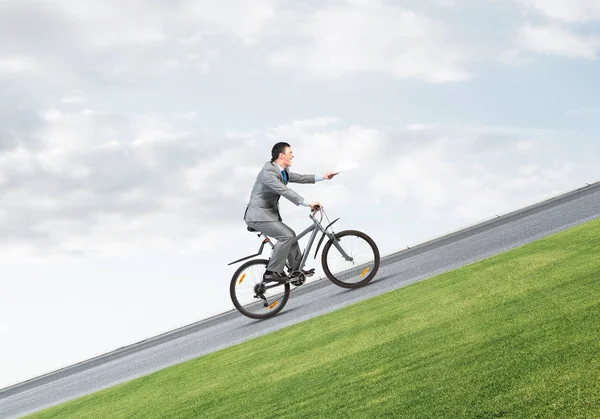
(282, 154)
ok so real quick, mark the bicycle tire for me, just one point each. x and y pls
(372, 270)
(282, 301)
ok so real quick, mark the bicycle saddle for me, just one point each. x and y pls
(251, 230)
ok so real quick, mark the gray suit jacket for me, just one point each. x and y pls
(268, 188)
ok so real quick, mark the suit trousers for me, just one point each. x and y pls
(284, 248)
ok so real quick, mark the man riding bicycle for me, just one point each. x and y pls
(262, 211)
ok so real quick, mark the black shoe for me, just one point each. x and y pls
(269, 276)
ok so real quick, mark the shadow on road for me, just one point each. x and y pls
(373, 282)
(251, 322)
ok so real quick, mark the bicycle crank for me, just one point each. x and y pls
(300, 277)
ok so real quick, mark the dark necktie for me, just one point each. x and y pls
(285, 179)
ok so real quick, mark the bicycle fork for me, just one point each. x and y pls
(338, 247)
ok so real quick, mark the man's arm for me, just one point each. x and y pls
(294, 177)
(297, 178)
(270, 178)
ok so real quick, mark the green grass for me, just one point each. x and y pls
(516, 335)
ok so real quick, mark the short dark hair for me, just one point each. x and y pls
(278, 148)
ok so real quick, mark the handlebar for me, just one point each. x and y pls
(314, 212)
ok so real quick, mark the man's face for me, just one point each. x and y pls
(287, 157)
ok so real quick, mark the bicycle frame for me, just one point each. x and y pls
(315, 228)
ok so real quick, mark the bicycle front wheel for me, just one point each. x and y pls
(251, 297)
(351, 273)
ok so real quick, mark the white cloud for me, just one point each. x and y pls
(562, 31)
(18, 65)
(527, 145)
(196, 39)
(420, 127)
(188, 116)
(244, 19)
(515, 57)
(469, 175)
(566, 10)
(300, 128)
(240, 135)
(556, 40)
(98, 40)
(100, 183)
(106, 24)
(75, 43)
(350, 37)
(70, 99)
(407, 176)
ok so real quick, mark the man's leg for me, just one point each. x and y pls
(284, 248)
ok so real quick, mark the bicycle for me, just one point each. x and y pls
(247, 286)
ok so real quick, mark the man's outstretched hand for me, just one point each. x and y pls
(329, 175)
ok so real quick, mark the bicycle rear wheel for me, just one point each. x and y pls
(251, 297)
(358, 272)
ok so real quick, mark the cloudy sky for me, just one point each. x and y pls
(132, 133)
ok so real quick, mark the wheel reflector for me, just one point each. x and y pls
(364, 272)
(242, 278)
(272, 306)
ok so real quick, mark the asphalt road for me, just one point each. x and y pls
(313, 299)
